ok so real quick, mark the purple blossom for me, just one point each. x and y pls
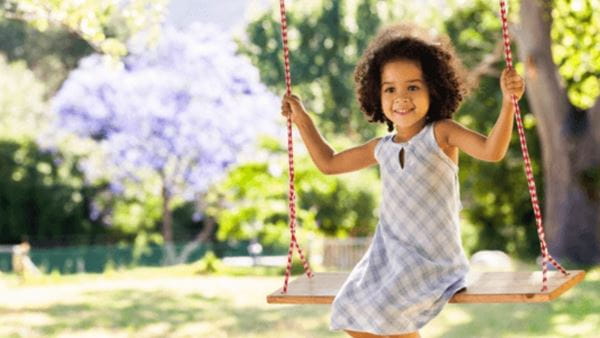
(183, 110)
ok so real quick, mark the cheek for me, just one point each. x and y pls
(425, 99)
(385, 101)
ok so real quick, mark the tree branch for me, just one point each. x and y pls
(27, 17)
(486, 65)
(202, 237)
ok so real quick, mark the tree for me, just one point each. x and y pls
(558, 42)
(50, 55)
(22, 107)
(178, 115)
(105, 25)
(44, 198)
(51, 37)
(41, 194)
(324, 48)
(251, 202)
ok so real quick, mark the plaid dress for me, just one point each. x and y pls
(415, 262)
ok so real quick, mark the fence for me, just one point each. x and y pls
(343, 254)
(97, 258)
(331, 253)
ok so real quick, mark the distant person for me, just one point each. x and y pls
(22, 264)
(254, 249)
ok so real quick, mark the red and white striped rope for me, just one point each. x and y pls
(528, 171)
(292, 191)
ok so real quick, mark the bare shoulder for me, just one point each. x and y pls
(442, 130)
(373, 142)
(371, 145)
(368, 146)
(352, 159)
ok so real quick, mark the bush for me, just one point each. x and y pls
(252, 202)
(210, 263)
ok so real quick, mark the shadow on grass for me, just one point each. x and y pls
(574, 314)
(238, 312)
(132, 311)
(305, 320)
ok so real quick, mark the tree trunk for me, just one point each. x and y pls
(167, 228)
(202, 237)
(570, 139)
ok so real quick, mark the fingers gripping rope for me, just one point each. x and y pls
(292, 192)
(528, 172)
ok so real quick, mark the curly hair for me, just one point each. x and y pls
(442, 71)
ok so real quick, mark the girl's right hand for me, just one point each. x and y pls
(291, 106)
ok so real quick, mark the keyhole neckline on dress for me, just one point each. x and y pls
(401, 158)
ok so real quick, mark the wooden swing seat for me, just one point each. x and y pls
(482, 287)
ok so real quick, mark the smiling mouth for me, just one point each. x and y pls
(403, 112)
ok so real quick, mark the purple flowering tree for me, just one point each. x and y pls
(180, 113)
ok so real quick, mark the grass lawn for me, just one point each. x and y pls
(175, 302)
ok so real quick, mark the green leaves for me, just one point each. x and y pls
(22, 108)
(325, 43)
(105, 25)
(252, 202)
(42, 197)
(576, 37)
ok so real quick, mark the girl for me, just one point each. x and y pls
(415, 263)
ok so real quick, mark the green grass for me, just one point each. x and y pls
(179, 302)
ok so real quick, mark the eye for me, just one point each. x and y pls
(413, 88)
(388, 90)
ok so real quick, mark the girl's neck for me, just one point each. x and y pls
(405, 134)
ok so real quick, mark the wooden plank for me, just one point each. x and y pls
(515, 287)
(482, 287)
(321, 289)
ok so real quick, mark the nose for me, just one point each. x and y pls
(401, 99)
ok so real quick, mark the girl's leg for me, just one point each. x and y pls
(356, 334)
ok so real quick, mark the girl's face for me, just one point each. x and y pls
(404, 94)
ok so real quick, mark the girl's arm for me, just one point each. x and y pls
(493, 147)
(324, 157)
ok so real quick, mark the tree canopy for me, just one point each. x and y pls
(105, 25)
(178, 115)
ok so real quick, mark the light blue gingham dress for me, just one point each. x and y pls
(415, 262)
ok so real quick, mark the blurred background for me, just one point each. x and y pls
(143, 162)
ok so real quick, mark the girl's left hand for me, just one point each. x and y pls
(511, 84)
